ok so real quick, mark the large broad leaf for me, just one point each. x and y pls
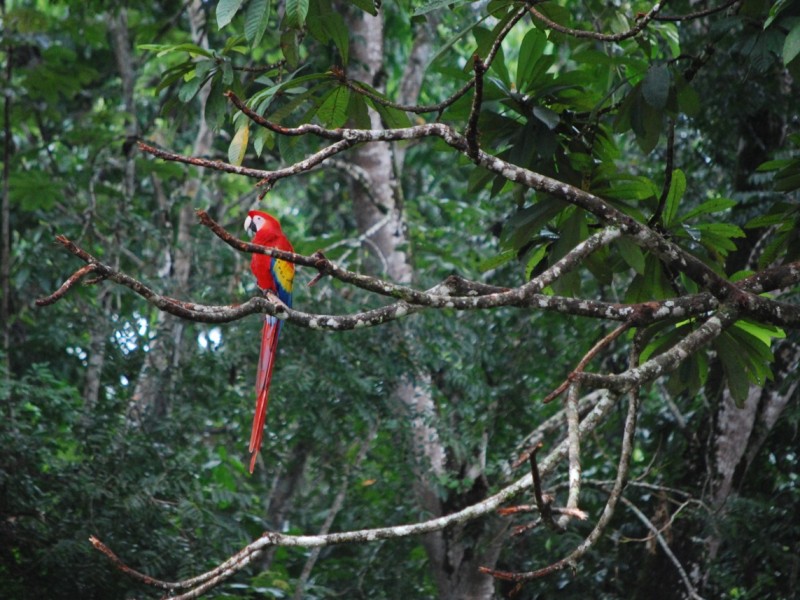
(437, 4)
(744, 351)
(256, 21)
(647, 122)
(653, 284)
(336, 28)
(392, 117)
(532, 62)
(368, 6)
(290, 46)
(676, 189)
(734, 367)
(238, 147)
(631, 254)
(656, 85)
(529, 222)
(226, 10)
(333, 110)
(496, 261)
(296, 11)
(791, 46)
(712, 206)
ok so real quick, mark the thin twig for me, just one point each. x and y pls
(471, 133)
(542, 502)
(697, 14)
(656, 219)
(665, 547)
(574, 438)
(602, 37)
(166, 585)
(575, 375)
(608, 511)
(71, 280)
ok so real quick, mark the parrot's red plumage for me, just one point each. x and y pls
(273, 276)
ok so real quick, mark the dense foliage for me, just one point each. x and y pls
(690, 127)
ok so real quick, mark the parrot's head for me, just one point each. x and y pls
(257, 219)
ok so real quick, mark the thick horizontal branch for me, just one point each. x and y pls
(672, 255)
(667, 361)
(265, 177)
(454, 293)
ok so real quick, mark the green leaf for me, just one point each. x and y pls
(290, 47)
(549, 117)
(435, 5)
(646, 122)
(296, 11)
(523, 225)
(193, 49)
(536, 257)
(766, 220)
(631, 254)
(189, 89)
(788, 178)
(734, 367)
(227, 73)
(333, 110)
(217, 105)
(530, 53)
(714, 205)
(791, 46)
(631, 187)
(763, 332)
(392, 117)
(775, 10)
(336, 28)
(368, 6)
(256, 21)
(688, 99)
(655, 86)
(652, 285)
(496, 261)
(485, 39)
(263, 138)
(452, 41)
(676, 189)
(728, 230)
(238, 146)
(226, 10)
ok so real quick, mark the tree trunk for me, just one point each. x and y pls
(454, 554)
(150, 396)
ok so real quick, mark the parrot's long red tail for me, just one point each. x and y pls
(269, 347)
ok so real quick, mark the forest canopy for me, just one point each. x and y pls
(544, 331)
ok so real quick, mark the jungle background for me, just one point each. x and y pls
(126, 423)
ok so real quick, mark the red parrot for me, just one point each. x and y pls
(274, 276)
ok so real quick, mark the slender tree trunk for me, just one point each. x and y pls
(5, 249)
(154, 383)
(454, 554)
(741, 432)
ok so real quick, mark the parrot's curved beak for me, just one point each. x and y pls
(250, 226)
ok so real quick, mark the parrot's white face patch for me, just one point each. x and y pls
(253, 224)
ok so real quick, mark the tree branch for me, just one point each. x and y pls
(601, 37)
(198, 585)
(672, 255)
(608, 511)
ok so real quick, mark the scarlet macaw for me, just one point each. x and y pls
(274, 276)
